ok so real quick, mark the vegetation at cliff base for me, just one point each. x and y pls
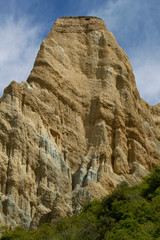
(128, 213)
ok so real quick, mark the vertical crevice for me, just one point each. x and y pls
(113, 147)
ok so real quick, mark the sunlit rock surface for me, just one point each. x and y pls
(75, 129)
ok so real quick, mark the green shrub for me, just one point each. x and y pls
(128, 213)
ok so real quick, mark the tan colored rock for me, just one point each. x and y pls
(75, 129)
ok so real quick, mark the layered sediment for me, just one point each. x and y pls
(75, 129)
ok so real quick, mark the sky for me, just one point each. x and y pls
(135, 24)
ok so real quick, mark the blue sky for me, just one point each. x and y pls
(135, 24)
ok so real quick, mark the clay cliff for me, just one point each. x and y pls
(75, 129)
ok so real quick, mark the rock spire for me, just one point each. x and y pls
(75, 129)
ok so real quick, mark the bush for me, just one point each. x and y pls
(128, 213)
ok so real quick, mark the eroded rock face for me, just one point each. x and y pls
(75, 129)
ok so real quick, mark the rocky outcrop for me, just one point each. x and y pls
(75, 129)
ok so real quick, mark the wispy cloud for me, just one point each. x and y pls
(19, 44)
(136, 27)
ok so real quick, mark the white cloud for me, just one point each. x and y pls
(19, 44)
(146, 65)
(134, 24)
